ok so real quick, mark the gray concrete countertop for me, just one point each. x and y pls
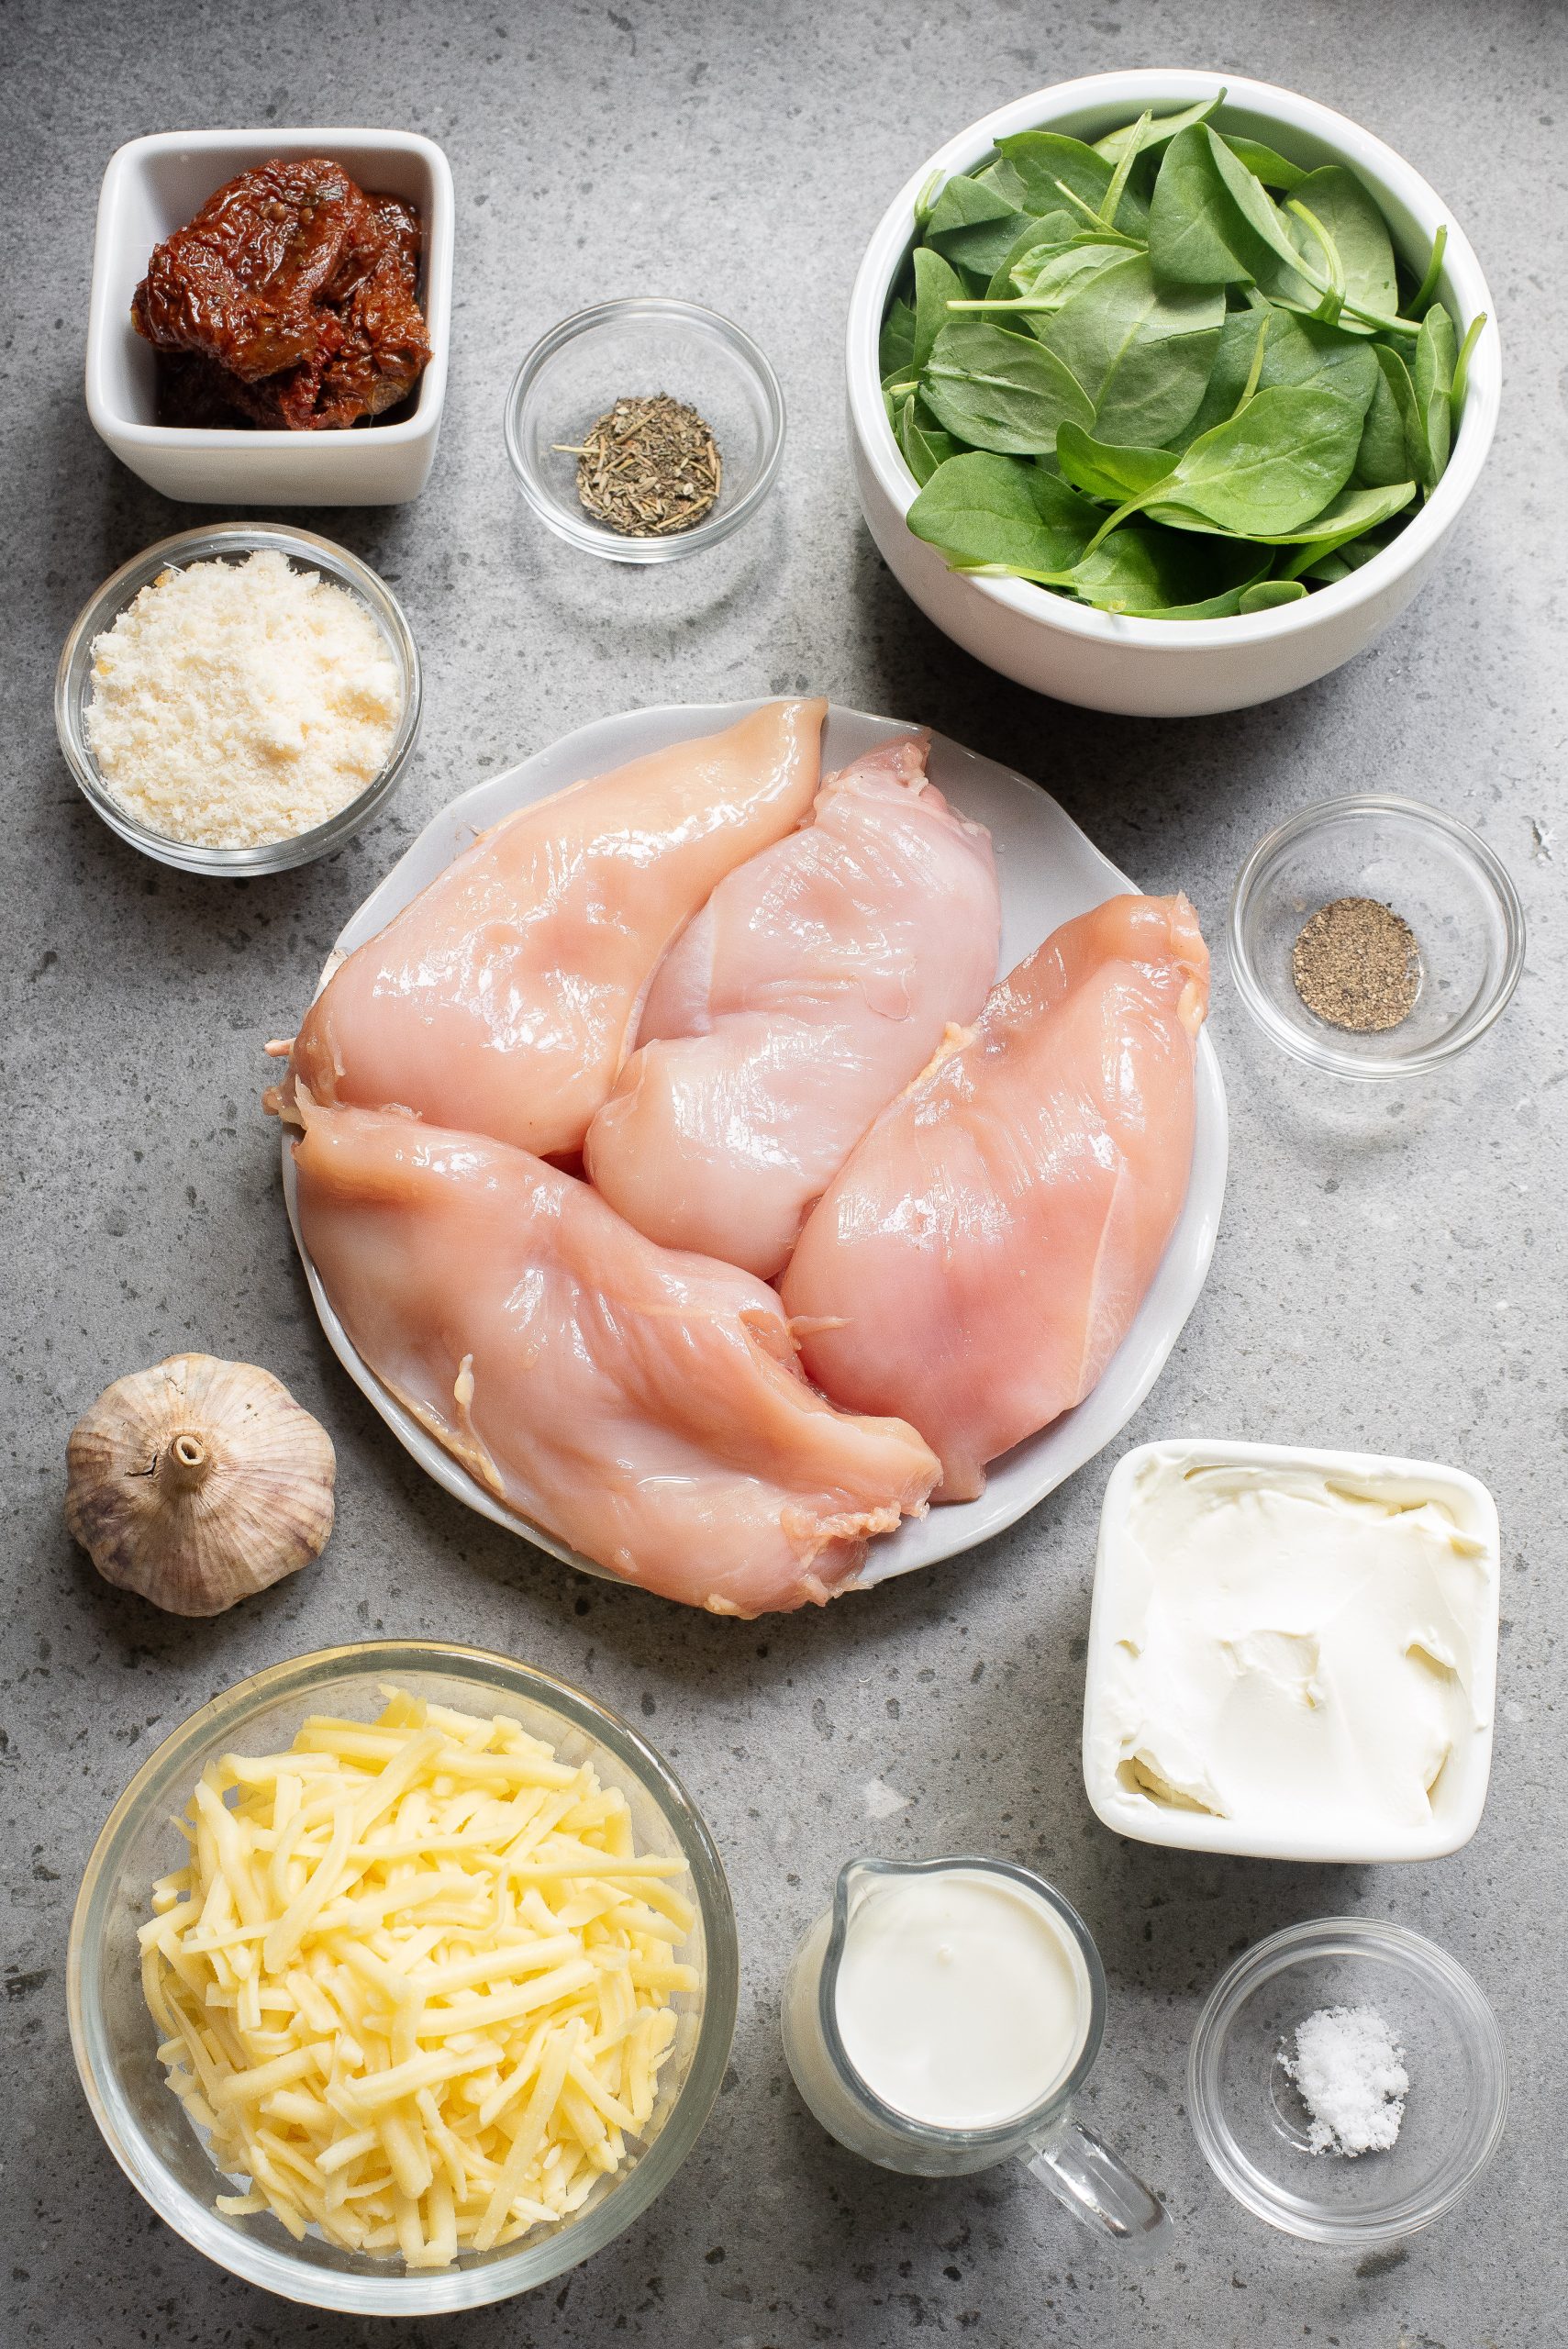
(1390, 1273)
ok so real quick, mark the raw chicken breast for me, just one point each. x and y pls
(983, 1254)
(814, 985)
(642, 1406)
(505, 998)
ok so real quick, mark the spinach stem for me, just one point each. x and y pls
(1125, 162)
(1088, 211)
(1461, 364)
(1333, 301)
(1422, 299)
(1256, 369)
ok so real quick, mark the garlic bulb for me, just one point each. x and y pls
(198, 1481)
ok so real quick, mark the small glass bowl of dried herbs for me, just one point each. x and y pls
(644, 429)
(1375, 937)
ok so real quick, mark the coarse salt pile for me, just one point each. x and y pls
(1352, 2079)
(239, 702)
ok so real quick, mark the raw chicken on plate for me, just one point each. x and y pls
(814, 985)
(505, 998)
(982, 1255)
(640, 1405)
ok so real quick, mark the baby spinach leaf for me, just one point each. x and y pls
(1382, 456)
(1043, 235)
(1347, 516)
(1432, 378)
(1341, 205)
(925, 444)
(1144, 571)
(1141, 351)
(986, 509)
(1043, 163)
(1105, 469)
(1417, 448)
(896, 351)
(1211, 223)
(1062, 273)
(936, 284)
(973, 226)
(1263, 163)
(1041, 282)
(1001, 391)
(1145, 135)
(1301, 351)
(1269, 594)
(1265, 473)
(1325, 569)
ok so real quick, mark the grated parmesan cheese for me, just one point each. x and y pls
(238, 703)
(414, 1982)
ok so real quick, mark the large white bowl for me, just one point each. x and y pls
(1150, 668)
(152, 186)
(1049, 871)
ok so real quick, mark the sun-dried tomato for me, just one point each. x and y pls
(289, 302)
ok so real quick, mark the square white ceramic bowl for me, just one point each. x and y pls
(1455, 1811)
(154, 186)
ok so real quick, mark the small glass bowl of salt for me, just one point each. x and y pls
(1346, 2081)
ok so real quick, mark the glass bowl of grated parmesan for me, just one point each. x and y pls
(1347, 2082)
(240, 699)
(429, 1996)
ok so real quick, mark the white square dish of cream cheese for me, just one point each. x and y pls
(1292, 1654)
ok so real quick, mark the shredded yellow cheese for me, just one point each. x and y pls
(415, 1981)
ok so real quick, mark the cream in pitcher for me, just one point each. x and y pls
(939, 2017)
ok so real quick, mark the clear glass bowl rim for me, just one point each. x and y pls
(1001, 2134)
(102, 609)
(167, 1777)
(588, 535)
(1297, 1041)
(1344, 1937)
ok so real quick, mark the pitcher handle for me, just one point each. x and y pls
(1099, 2190)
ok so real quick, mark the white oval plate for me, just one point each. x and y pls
(1049, 872)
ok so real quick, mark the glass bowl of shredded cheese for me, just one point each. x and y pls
(402, 1979)
(240, 699)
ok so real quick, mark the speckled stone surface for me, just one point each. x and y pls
(1390, 1271)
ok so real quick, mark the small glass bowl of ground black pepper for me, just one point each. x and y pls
(1375, 937)
(645, 430)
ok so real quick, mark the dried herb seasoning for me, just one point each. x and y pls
(647, 467)
(1356, 963)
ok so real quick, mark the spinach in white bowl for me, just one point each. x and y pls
(1173, 374)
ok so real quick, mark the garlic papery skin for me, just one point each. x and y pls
(199, 1482)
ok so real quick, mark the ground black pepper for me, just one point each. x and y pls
(1357, 964)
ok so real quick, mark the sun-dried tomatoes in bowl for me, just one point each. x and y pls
(301, 303)
(289, 302)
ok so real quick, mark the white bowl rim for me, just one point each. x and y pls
(277, 138)
(1360, 149)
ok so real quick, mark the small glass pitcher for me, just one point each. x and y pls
(1082, 2173)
